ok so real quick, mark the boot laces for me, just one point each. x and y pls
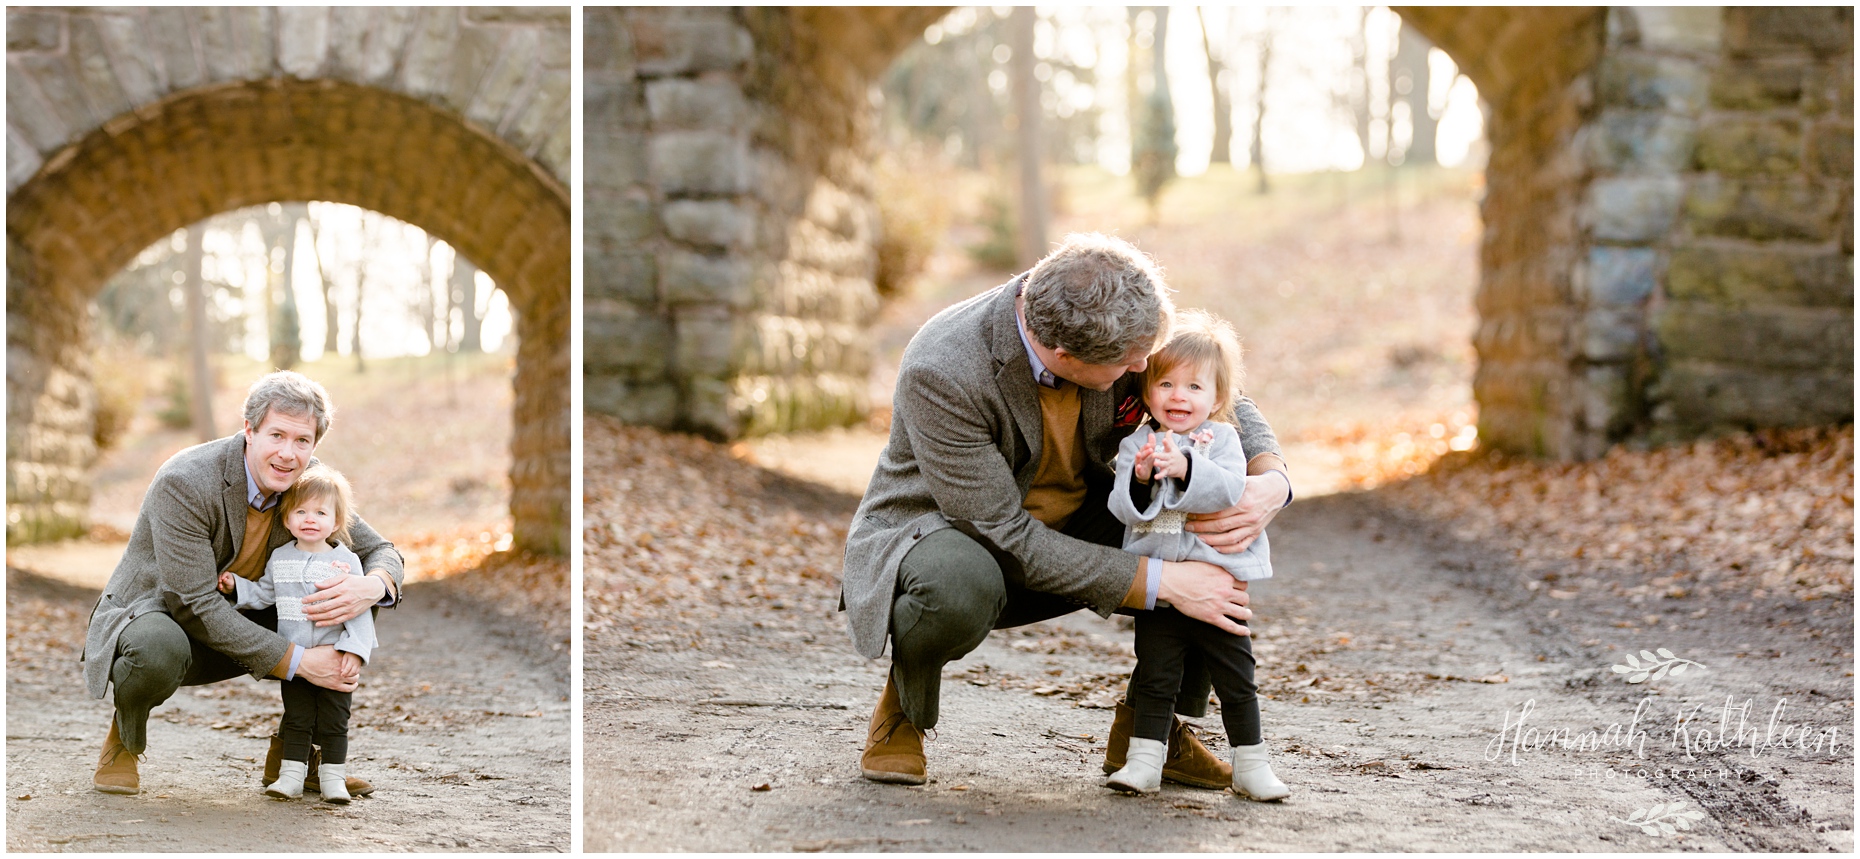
(890, 727)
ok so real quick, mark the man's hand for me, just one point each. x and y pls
(342, 598)
(1206, 593)
(327, 668)
(1232, 530)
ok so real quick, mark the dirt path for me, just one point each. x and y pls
(463, 731)
(1396, 664)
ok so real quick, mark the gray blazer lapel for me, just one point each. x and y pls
(1015, 377)
(233, 498)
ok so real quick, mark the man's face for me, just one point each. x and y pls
(279, 449)
(1098, 377)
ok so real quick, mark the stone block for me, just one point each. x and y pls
(710, 341)
(626, 343)
(1632, 208)
(616, 222)
(1690, 29)
(1609, 400)
(699, 163)
(631, 276)
(28, 30)
(1759, 85)
(254, 35)
(713, 409)
(1621, 276)
(519, 14)
(1611, 333)
(606, 41)
(1831, 149)
(1771, 337)
(174, 47)
(1747, 277)
(612, 102)
(427, 70)
(556, 151)
(1759, 30)
(1762, 209)
(649, 403)
(93, 64)
(690, 278)
(1623, 141)
(1645, 82)
(305, 39)
(1831, 88)
(709, 223)
(32, 117)
(497, 91)
(547, 106)
(708, 105)
(614, 162)
(22, 160)
(1699, 397)
(1746, 146)
(681, 42)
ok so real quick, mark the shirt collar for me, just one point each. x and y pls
(1040, 373)
(255, 496)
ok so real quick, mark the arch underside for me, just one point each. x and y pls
(98, 202)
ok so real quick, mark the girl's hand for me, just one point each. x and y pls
(1171, 462)
(351, 663)
(1145, 461)
(226, 583)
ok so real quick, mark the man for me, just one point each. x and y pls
(163, 624)
(987, 509)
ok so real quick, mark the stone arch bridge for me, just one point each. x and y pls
(125, 124)
(1668, 245)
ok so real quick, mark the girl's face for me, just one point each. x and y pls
(1181, 399)
(311, 520)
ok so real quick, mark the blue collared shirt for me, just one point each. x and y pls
(255, 496)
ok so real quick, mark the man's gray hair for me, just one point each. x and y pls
(291, 394)
(1098, 298)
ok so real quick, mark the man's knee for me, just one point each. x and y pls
(153, 654)
(950, 588)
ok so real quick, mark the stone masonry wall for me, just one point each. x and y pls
(730, 228)
(1754, 316)
(124, 124)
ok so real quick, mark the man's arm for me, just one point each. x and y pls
(343, 598)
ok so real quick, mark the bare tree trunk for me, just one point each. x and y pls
(465, 295)
(1256, 152)
(1410, 69)
(1028, 113)
(197, 325)
(1359, 81)
(1223, 100)
(330, 339)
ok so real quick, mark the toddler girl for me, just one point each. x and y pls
(1188, 459)
(317, 511)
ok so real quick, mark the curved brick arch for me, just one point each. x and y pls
(96, 200)
(1668, 245)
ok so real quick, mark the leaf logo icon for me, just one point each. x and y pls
(1663, 819)
(1653, 665)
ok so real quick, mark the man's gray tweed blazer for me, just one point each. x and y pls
(965, 443)
(190, 527)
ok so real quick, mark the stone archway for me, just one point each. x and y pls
(1669, 216)
(317, 118)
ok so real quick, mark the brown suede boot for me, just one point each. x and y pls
(116, 767)
(275, 755)
(1189, 762)
(894, 748)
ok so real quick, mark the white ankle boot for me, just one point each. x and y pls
(335, 782)
(290, 783)
(1143, 766)
(1253, 776)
